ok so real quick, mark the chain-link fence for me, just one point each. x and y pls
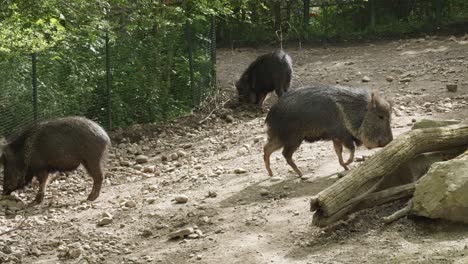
(336, 20)
(117, 80)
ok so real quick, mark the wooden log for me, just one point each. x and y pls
(335, 199)
(386, 196)
(398, 214)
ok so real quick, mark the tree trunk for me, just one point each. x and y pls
(336, 201)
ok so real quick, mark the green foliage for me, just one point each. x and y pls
(253, 22)
(149, 45)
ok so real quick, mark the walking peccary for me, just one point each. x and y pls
(269, 72)
(55, 145)
(345, 115)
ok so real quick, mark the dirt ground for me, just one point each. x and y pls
(239, 214)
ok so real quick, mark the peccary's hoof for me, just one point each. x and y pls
(93, 196)
(342, 173)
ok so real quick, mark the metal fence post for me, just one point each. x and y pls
(34, 85)
(108, 84)
(188, 38)
(213, 50)
(306, 12)
(372, 14)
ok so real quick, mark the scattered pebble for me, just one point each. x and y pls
(181, 199)
(451, 87)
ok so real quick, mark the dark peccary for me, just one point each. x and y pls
(269, 72)
(55, 145)
(345, 115)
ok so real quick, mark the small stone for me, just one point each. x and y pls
(174, 156)
(264, 192)
(164, 158)
(199, 257)
(104, 221)
(365, 79)
(239, 171)
(181, 233)
(389, 78)
(181, 199)
(405, 80)
(229, 118)
(275, 179)
(149, 169)
(146, 233)
(74, 253)
(181, 153)
(125, 163)
(187, 146)
(193, 236)
(130, 204)
(212, 194)
(138, 167)
(151, 200)
(140, 159)
(7, 249)
(199, 232)
(452, 87)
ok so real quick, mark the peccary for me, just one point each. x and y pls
(345, 115)
(269, 72)
(55, 145)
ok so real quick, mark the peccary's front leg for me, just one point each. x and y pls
(42, 178)
(349, 144)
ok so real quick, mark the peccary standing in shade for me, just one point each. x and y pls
(269, 72)
(55, 145)
(345, 115)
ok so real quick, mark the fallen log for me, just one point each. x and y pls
(339, 199)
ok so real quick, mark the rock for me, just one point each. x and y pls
(275, 179)
(239, 171)
(181, 199)
(174, 156)
(212, 194)
(149, 169)
(74, 250)
(74, 253)
(140, 159)
(105, 221)
(164, 158)
(138, 167)
(365, 79)
(229, 118)
(181, 153)
(193, 236)
(405, 80)
(389, 78)
(125, 163)
(130, 204)
(7, 249)
(181, 233)
(443, 191)
(264, 192)
(452, 87)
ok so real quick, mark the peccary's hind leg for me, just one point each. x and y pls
(95, 170)
(288, 151)
(42, 178)
(271, 146)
